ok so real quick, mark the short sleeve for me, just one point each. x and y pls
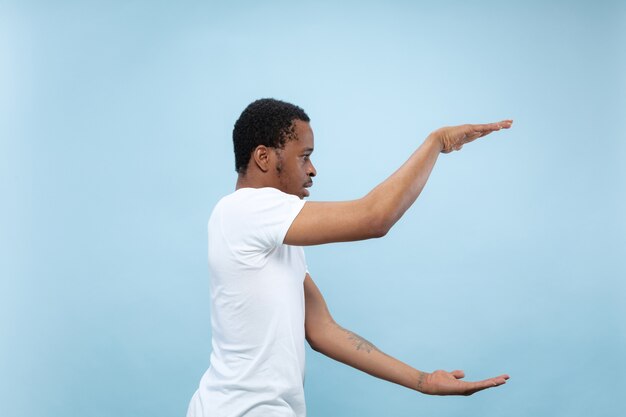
(266, 215)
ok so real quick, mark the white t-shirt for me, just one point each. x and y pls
(257, 309)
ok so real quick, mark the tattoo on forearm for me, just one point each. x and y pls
(420, 381)
(360, 343)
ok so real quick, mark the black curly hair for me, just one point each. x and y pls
(266, 122)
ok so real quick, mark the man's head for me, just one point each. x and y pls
(273, 142)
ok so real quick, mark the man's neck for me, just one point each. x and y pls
(250, 181)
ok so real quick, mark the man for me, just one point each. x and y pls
(264, 303)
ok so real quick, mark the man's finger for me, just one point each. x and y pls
(458, 374)
(490, 383)
(492, 127)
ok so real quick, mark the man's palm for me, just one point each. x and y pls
(449, 383)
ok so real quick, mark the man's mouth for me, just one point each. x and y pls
(307, 185)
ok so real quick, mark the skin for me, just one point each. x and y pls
(290, 170)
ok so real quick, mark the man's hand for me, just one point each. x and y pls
(449, 383)
(454, 137)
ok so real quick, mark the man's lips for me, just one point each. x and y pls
(307, 185)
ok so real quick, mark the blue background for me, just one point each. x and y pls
(115, 135)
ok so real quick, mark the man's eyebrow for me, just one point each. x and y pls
(307, 150)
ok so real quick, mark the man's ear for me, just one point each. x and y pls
(262, 156)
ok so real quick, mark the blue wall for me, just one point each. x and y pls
(115, 124)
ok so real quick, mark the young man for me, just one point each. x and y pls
(264, 303)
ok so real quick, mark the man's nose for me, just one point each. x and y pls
(312, 171)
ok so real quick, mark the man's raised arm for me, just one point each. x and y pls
(373, 215)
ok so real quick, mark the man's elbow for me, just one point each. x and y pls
(376, 232)
(378, 226)
(378, 220)
(319, 334)
(313, 345)
(313, 340)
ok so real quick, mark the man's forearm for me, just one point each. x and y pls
(395, 195)
(353, 350)
(392, 198)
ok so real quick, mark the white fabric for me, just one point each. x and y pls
(257, 309)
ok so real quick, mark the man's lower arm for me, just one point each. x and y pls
(396, 194)
(348, 347)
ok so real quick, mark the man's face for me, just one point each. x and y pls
(294, 167)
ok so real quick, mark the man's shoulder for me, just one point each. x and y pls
(261, 214)
(248, 197)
